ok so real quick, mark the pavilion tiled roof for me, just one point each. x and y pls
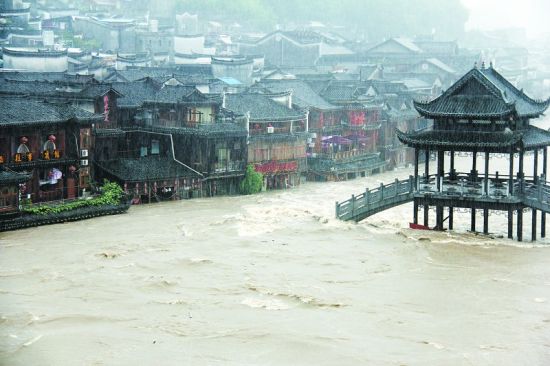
(460, 140)
(530, 138)
(482, 94)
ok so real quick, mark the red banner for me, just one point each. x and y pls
(275, 167)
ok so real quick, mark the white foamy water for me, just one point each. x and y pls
(272, 279)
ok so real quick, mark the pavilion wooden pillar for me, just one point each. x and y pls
(473, 174)
(520, 224)
(486, 193)
(427, 165)
(452, 176)
(439, 185)
(426, 215)
(533, 210)
(535, 166)
(474, 163)
(416, 155)
(533, 224)
(486, 182)
(520, 171)
(511, 177)
(452, 163)
(415, 204)
(427, 177)
(542, 213)
(510, 223)
(485, 221)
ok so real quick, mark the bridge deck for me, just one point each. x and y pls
(456, 192)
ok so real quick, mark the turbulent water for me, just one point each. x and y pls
(272, 279)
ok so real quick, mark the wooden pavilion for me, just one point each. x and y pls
(482, 113)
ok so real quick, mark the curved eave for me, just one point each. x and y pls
(424, 111)
(415, 140)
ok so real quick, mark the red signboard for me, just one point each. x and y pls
(275, 167)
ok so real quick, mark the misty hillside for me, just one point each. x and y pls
(373, 18)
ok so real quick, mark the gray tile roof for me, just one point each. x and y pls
(135, 93)
(337, 92)
(261, 108)
(303, 95)
(28, 112)
(148, 168)
(46, 76)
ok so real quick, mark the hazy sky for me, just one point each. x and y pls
(490, 14)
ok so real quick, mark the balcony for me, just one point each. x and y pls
(229, 167)
(29, 160)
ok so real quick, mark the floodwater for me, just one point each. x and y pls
(272, 279)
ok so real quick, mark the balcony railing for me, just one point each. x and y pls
(344, 155)
(229, 166)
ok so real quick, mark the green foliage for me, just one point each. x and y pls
(252, 182)
(111, 194)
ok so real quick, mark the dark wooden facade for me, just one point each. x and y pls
(51, 142)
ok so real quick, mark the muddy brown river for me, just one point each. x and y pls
(272, 279)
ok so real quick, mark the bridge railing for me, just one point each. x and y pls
(535, 195)
(538, 196)
(373, 199)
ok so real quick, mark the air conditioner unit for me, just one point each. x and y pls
(84, 153)
(311, 144)
(84, 162)
(270, 129)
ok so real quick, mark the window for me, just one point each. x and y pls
(155, 147)
(143, 151)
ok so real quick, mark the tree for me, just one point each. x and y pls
(252, 182)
